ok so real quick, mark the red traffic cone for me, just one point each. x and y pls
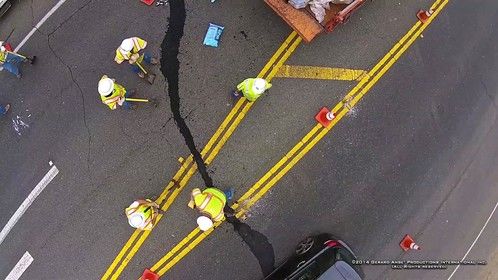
(147, 2)
(423, 15)
(325, 117)
(408, 244)
(149, 275)
(8, 47)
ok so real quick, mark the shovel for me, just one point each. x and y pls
(149, 77)
(30, 59)
(152, 101)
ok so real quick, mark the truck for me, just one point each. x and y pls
(303, 20)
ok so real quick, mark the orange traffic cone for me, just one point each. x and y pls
(423, 15)
(147, 2)
(325, 117)
(149, 275)
(408, 244)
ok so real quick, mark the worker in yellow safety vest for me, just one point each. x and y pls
(113, 94)
(11, 61)
(142, 214)
(252, 88)
(210, 202)
(129, 50)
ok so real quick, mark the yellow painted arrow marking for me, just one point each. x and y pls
(320, 73)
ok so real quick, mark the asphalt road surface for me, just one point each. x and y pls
(417, 155)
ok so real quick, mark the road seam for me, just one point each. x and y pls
(208, 153)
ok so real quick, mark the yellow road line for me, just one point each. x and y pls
(320, 73)
(209, 152)
(261, 187)
(284, 58)
(277, 54)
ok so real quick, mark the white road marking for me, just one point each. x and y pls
(475, 240)
(20, 267)
(39, 24)
(28, 201)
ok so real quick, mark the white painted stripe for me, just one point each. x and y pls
(39, 24)
(28, 201)
(20, 267)
(475, 240)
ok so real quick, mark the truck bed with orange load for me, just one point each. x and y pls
(303, 21)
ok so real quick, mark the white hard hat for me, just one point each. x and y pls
(127, 45)
(136, 220)
(204, 223)
(2, 48)
(259, 86)
(106, 85)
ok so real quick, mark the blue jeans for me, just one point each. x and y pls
(12, 62)
(3, 111)
(147, 58)
(126, 104)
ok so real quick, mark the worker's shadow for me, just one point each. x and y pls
(258, 244)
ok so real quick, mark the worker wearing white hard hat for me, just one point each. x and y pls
(204, 223)
(142, 214)
(129, 50)
(211, 204)
(11, 61)
(252, 88)
(112, 93)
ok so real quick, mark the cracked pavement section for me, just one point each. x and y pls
(73, 78)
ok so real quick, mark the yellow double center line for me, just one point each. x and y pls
(262, 186)
(208, 153)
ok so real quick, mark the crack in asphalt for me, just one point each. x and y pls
(257, 242)
(32, 13)
(71, 74)
(70, 17)
(170, 66)
(486, 92)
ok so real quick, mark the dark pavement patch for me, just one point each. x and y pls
(170, 66)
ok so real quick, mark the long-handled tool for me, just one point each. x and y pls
(153, 101)
(136, 99)
(150, 77)
(30, 59)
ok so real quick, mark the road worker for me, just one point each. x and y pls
(129, 50)
(210, 202)
(252, 88)
(142, 214)
(113, 94)
(11, 61)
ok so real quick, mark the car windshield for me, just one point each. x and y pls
(310, 272)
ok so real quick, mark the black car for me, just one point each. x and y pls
(320, 257)
(4, 6)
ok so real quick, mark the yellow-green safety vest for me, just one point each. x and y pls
(211, 202)
(118, 92)
(247, 89)
(146, 211)
(3, 56)
(138, 45)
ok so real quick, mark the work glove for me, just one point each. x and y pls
(191, 204)
(133, 58)
(121, 101)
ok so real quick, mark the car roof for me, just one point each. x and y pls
(340, 271)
